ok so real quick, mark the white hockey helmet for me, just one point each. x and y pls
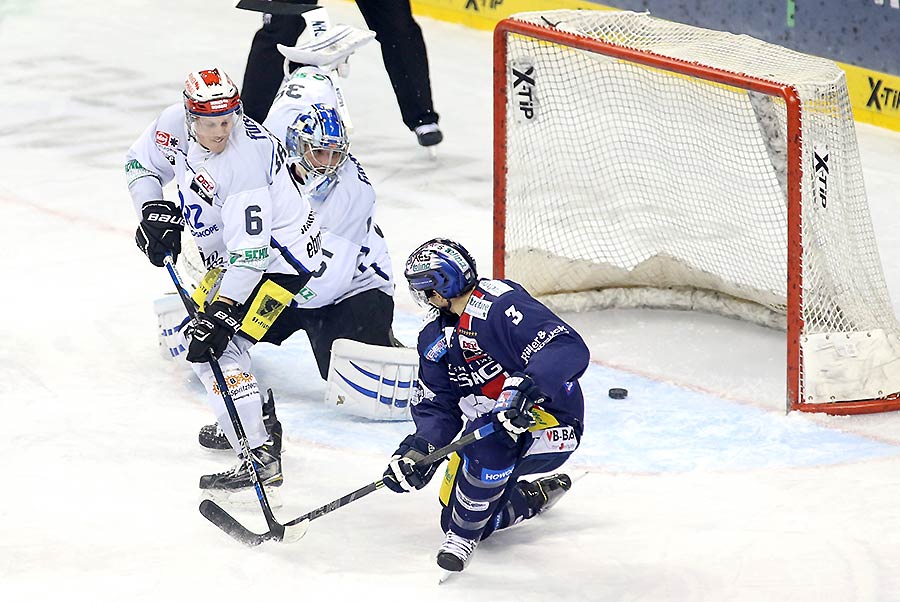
(210, 93)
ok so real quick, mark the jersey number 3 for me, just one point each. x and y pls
(514, 315)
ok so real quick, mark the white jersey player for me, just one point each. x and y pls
(305, 114)
(256, 232)
(351, 293)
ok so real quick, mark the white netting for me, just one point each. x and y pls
(629, 185)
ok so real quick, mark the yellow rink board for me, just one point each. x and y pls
(875, 96)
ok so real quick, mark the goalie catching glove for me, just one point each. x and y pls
(401, 474)
(512, 411)
(211, 330)
(160, 231)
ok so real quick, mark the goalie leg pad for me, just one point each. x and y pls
(171, 318)
(372, 381)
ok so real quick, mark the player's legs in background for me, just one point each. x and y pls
(265, 65)
(405, 58)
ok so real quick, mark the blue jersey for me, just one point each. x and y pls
(464, 360)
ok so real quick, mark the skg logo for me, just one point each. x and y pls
(482, 375)
(524, 84)
(820, 169)
(882, 96)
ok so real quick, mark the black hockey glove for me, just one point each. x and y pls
(512, 411)
(160, 231)
(401, 474)
(211, 329)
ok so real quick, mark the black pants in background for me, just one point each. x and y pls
(402, 49)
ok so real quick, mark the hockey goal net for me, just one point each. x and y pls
(645, 163)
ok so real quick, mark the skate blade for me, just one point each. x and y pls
(432, 152)
(446, 575)
(241, 498)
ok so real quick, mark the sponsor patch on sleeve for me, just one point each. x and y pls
(254, 259)
(436, 349)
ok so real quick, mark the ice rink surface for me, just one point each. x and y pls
(698, 486)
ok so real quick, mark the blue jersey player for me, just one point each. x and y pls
(490, 353)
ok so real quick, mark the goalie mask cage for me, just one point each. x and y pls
(644, 163)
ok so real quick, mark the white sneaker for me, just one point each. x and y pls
(454, 553)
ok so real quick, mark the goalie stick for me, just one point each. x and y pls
(276, 529)
(293, 530)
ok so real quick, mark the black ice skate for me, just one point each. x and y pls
(266, 458)
(542, 494)
(454, 553)
(429, 134)
(211, 436)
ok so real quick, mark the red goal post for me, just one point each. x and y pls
(750, 158)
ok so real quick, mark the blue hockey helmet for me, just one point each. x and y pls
(442, 266)
(317, 140)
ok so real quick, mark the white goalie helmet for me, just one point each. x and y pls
(317, 141)
(210, 93)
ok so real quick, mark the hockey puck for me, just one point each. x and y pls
(617, 393)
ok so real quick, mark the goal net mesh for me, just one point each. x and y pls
(633, 185)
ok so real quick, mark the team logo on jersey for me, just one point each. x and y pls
(203, 185)
(471, 350)
(165, 139)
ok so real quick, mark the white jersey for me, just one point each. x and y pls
(300, 90)
(355, 256)
(244, 210)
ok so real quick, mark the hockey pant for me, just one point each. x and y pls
(235, 364)
(262, 311)
(479, 492)
(365, 317)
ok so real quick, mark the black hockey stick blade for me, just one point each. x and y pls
(274, 7)
(220, 518)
